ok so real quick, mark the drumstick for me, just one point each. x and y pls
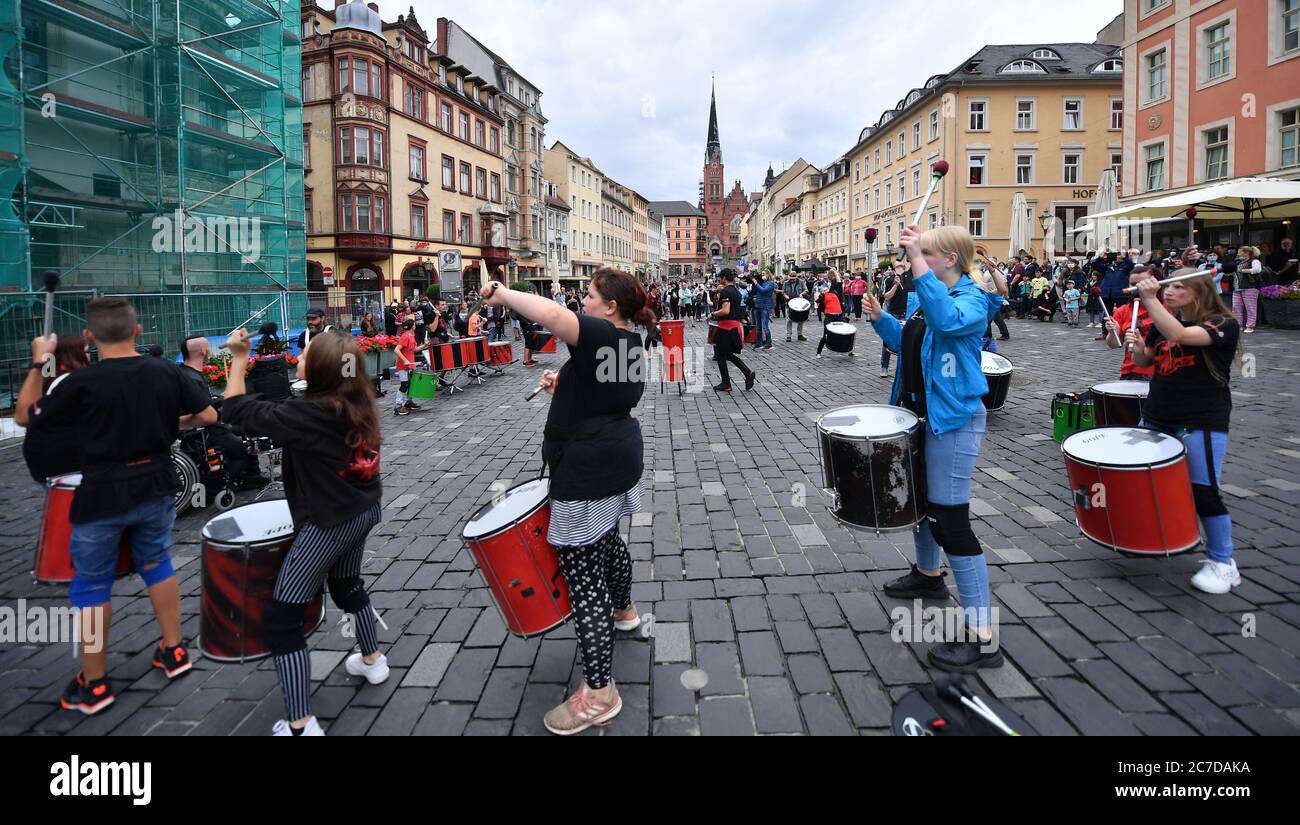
(1204, 273)
(1133, 327)
(1106, 312)
(51, 284)
(937, 172)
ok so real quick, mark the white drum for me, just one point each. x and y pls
(299, 387)
(1120, 403)
(799, 309)
(997, 371)
(839, 336)
(252, 523)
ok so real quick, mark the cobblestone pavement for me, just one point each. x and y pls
(749, 578)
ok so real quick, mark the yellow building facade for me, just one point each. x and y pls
(579, 182)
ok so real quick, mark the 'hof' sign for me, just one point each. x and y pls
(449, 275)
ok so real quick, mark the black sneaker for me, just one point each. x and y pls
(723, 388)
(750, 379)
(964, 657)
(917, 585)
(88, 697)
(173, 661)
(801, 338)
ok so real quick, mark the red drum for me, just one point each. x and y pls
(548, 342)
(53, 563)
(508, 540)
(459, 354)
(501, 353)
(474, 351)
(243, 550)
(1132, 490)
(1119, 403)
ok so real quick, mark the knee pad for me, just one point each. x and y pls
(1208, 501)
(87, 592)
(349, 594)
(950, 526)
(404, 387)
(282, 627)
(159, 573)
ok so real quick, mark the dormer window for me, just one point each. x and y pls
(460, 84)
(442, 74)
(1044, 54)
(415, 51)
(1023, 67)
(1109, 66)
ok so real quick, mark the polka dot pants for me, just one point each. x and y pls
(600, 580)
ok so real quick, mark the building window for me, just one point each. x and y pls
(362, 213)
(480, 133)
(345, 208)
(1024, 169)
(1157, 75)
(494, 140)
(1073, 114)
(413, 101)
(448, 226)
(307, 92)
(1290, 25)
(1216, 153)
(1155, 162)
(415, 51)
(419, 223)
(466, 228)
(978, 113)
(1072, 173)
(916, 133)
(916, 182)
(934, 125)
(975, 222)
(417, 162)
(1117, 114)
(1117, 164)
(465, 179)
(877, 160)
(448, 173)
(464, 127)
(361, 146)
(977, 177)
(1044, 54)
(309, 215)
(496, 188)
(306, 145)
(1025, 120)
(1289, 137)
(1218, 51)
(480, 183)
(444, 117)
(889, 194)
(889, 152)
(1023, 67)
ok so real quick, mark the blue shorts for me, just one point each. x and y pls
(96, 544)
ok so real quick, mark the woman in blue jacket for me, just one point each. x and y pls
(939, 378)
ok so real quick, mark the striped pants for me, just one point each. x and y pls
(319, 556)
(599, 577)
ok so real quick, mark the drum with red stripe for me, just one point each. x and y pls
(546, 342)
(443, 356)
(53, 562)
(1132, 490)
(473, 351)
(508, 540)
(501, 353)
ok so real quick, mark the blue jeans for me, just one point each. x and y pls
(762, 327)
(949, 466)
(1204, 469)
(95, 546)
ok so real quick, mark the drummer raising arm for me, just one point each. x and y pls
(939, 378)
(331, 444)
(1192, 345)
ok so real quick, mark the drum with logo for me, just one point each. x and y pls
(997, 371)
(872, 464)
(839, 337)
(508, 540)
(243, 550)
(1132, 491)
(53, 562)
(1120, 403)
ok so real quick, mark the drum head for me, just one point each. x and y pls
(72, 480)
(1123, 447)
(841, 328)
(252, 523)
(993, 364)
(867, 421)
(510, 508)
(1132, 389)
(800, 304)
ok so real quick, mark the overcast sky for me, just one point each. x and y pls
(628, 84)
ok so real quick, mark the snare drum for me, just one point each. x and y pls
(1120, 403)
(997, 371)
(243, 550)
(547, 342)
(501, 353)
(1132, 490)
(424, 385)
(53, 562)
(799, 309)
(839, 336)
(508, 540)
(872, 463)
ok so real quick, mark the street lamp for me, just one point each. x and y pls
(1048, 221)
(1191, 225)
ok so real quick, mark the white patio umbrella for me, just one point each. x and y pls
(1106, 231)
(1243, 200)
(1022, 226)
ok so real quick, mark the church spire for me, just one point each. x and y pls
(713, 152)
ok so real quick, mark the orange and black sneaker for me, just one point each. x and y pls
(173, 660)
(88, 697)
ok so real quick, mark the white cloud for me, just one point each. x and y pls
(794, 78)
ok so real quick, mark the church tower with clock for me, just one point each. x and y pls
(724, 210)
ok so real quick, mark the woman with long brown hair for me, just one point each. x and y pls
(331, 444)
(1193, 342)
(595, 454)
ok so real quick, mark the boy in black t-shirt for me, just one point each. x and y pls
(128, 411)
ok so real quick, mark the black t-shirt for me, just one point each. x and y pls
(898, 304)
(603, 379)
(735, 312)
(1185, 391)
(53, 450)
(912, 377)
(127, 414)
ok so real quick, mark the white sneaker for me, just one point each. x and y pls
(375, 674)
(627, 624)
(1216, 577)
(313, 728)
